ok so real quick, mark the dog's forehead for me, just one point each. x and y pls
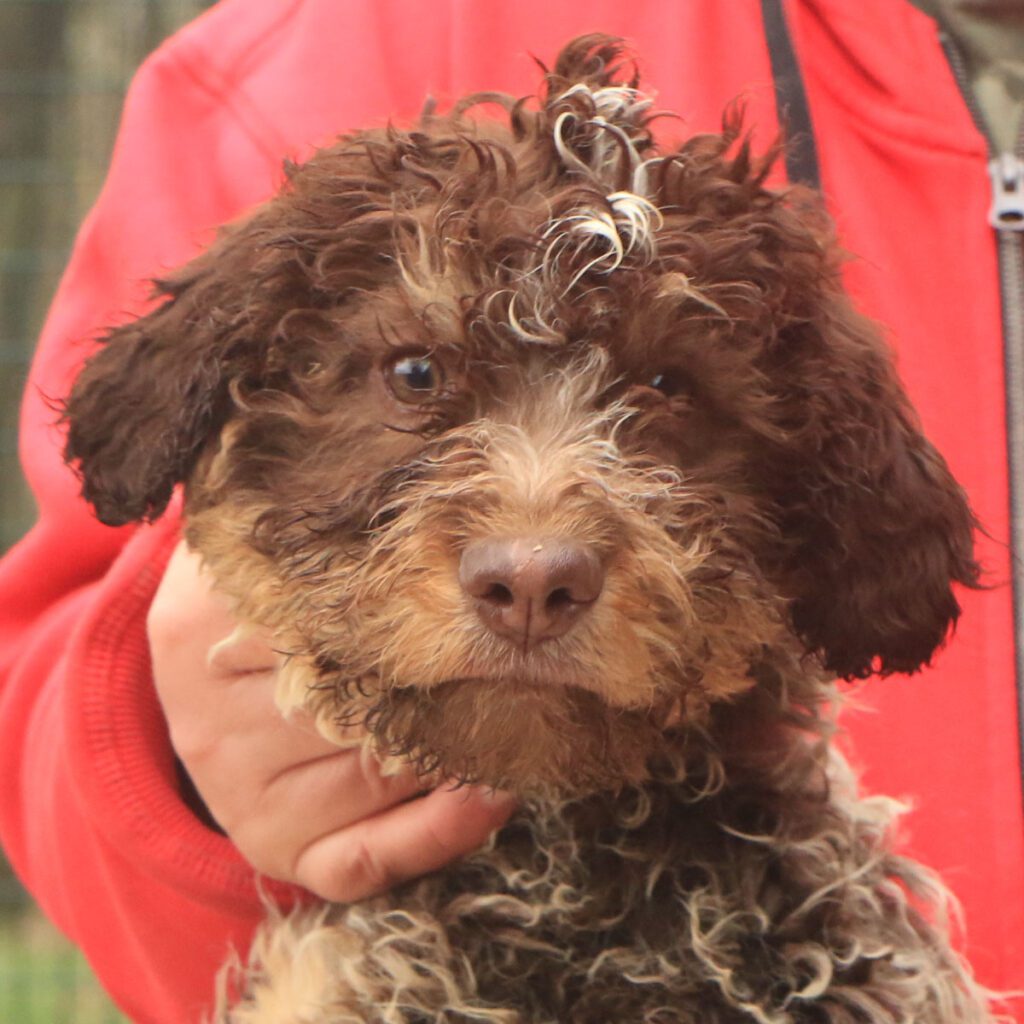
(532, 265)
(538, 260)
(573, 232)
(588, 275)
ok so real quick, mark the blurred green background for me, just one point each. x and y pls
(64, 68)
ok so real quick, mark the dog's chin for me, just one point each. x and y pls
(522, 736)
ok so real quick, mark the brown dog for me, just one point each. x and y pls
(564, 465)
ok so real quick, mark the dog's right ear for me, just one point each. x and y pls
(146, 402)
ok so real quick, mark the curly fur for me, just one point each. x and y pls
(724, 908)
(648, 352)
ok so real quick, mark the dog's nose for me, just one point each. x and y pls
(530, 589)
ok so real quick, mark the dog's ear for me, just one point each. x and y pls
(155, 391)
(875, 531)
(159, 389)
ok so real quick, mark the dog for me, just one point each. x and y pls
(560, 463)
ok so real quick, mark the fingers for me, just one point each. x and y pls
(186, 611)
(243, 651)
(313, 797)
(412, 839)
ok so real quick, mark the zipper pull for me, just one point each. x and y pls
(1007, 174)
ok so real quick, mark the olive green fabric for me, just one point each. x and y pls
(990, 36)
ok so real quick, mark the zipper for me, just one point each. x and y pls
(1011, 272)
(1007, 174)
(1006, 216)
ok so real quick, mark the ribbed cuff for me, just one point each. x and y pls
(118, 739)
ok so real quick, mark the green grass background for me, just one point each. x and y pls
(44, 979)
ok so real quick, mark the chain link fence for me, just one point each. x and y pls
(64, 68)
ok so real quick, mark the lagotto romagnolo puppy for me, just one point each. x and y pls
(561, 463)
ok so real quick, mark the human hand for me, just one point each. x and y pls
(299, 808)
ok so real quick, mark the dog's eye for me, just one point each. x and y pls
(414, 378)
(671, 382)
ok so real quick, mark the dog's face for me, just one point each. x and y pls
(533, 445)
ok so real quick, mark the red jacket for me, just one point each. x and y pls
(89, 810)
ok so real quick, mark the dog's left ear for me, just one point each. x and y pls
(153, 394)
(874, 529)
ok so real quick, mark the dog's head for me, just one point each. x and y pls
(530, 441)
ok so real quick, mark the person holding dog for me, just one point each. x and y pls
(146, 780)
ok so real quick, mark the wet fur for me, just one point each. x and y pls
(651, 353)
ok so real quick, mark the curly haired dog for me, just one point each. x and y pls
(562, 464)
